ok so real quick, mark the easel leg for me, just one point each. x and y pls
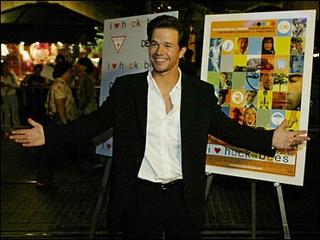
(208, 184)
(101, 196)
(253, 209)
(282, 211)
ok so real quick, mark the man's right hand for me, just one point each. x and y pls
(29, 137)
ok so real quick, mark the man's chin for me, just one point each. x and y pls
(159, 70)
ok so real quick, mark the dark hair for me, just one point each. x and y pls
(165, 21)
(296, 39)
(39, 66)
(87, 63)
(188, 54)
(2, 64)
(61, 68)
(224, 73)
(60, 58)
(264, 51)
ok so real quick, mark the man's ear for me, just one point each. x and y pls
(182, 51)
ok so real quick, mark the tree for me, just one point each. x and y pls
(279, 79)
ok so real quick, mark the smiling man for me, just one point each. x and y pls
(161, 120)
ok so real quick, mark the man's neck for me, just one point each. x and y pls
(166, 81)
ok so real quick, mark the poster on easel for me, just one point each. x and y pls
(125, 51)
(261, 67)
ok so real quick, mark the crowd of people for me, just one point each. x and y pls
(66, 95)
(29, 97)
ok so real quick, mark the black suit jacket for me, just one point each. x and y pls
(125, 109)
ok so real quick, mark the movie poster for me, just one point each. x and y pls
(261, 66)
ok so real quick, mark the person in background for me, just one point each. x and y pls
(87, 102)
(97, 73)
(33, 85)
(186, 65)
(10, 104)
(161, 120)
(35, 79)
(60, 101)
(61, 108)
(60, 58)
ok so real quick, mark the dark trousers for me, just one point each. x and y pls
(159, 213)
(47, 165)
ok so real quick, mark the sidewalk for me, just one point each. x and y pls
(66, 212)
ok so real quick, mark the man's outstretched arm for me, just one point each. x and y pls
(29, 137)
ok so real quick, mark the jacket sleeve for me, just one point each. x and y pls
(238, 135)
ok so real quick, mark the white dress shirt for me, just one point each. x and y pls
(162, 157)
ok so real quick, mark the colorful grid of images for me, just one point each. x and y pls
(257, 70)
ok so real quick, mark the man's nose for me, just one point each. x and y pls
(160, 49)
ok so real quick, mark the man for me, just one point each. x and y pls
(266, 81)
(242, 46)
(161, 120)
(250, 95)
(225, 83)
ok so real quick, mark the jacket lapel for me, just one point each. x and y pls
(187, 109)
(141, 92)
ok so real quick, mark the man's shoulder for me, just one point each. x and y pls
(197, 83)
(133, 76)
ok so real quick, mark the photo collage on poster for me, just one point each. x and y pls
(256, 68)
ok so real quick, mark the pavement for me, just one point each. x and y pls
(66, 212)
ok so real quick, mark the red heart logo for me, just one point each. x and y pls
(217, 150)
(109, 145)
(114, 65)
(116, 25)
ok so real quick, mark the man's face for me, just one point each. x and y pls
(293, 100)
(243, 43)
(223, 78)
(279, 100)
(266, 81)
(81, 69)
(295, 83)
(250, 96)
(164, 50)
